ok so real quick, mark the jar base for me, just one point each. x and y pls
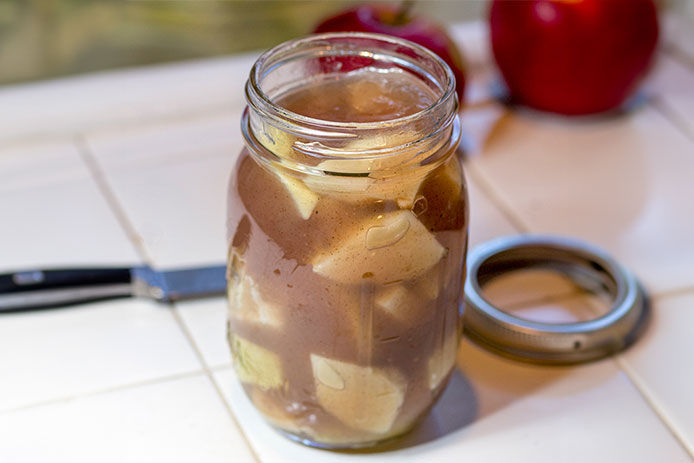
(374, 444)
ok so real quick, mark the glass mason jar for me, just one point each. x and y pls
(347, 232)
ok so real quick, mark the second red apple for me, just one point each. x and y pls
(397, 22)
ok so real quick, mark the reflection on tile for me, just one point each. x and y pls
(623, 183)
(178, 209)
(206, 322)
(592, 413)
(181, 420)
(53, 214)
(661, 362)
(59, 353)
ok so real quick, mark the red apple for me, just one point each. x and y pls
(573, 56)
(398, 22)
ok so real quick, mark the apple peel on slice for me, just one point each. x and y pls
(362, 397)
(394, 246)
(255, 364)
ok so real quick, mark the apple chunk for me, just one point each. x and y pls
(394, 246)
(442, 360)
(304, 199)
(255, 364)
(429, 285)
(244, 298)
(362, 397)
(354, 180)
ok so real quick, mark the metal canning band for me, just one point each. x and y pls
(553, 343)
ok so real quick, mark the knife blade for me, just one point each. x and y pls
(36, 289)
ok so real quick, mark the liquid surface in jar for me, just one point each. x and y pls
(366, 95)
(344, 291)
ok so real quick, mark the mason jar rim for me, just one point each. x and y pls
(255, 94)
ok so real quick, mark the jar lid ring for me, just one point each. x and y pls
(553, 343)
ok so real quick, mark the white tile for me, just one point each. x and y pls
(178, 209)
(206, 320)
(59, 353)
(53, 214)
(486, 220)
(526, 287)
(480, 120)
(678, 29)
(181, 420)
(661, 362)
(623, 183)
(672, 84)
(497, 410)
(123, 98)
(568, 309)
(40, 164)
(163, 142)
(473, 40)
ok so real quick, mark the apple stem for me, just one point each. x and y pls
(403, 13)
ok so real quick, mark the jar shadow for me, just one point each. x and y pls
(482, 384)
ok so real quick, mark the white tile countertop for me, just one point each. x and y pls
(131, 166)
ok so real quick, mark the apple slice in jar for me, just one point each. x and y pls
(393, 299)
(247, 304)
(390, 247)
(244, 298)
(442, 360)
(303, 197)
(354, 180)
(362, 397)
(429, 285)
(255, 364)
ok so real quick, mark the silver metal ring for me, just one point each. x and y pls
(589, 267)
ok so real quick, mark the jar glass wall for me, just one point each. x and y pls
(347, 231)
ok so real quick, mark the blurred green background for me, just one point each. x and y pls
(48, 38)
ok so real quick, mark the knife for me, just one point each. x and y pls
(36, 289)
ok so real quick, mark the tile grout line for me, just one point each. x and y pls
(217, 388)
(505, 209)
(127, 124)
(673, 51)
(632, 376)
(121, 387)
(675, 292)
(99, 178)
(209, 373)
(671, 116)
(477, 177)
(652, 403)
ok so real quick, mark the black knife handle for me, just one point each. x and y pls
(50, 288)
